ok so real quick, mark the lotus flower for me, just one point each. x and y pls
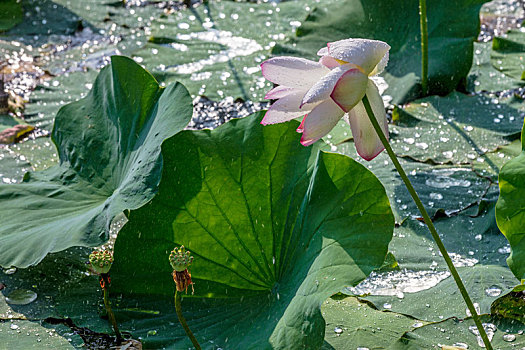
(325, 91)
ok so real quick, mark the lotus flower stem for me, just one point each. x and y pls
(424, 45)
(428, 222)
(183, 322)
(105, 281)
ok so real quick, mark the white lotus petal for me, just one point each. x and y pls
(322, 89)
(323, 51)
(293, 71)
(367, 143)
(286, 108)
(362, 52)
(349, 88)
(329, 62)
(320, 121)
(381, 65)
(279, 92)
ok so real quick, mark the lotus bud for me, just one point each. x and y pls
(101, 261)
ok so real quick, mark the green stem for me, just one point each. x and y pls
(107, 304)
(429, 223)
(182, 321)
(424, 45)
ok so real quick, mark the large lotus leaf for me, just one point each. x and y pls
(484, 77)
(351, 324)
(44, 18)
(275, 229)
(41, 153)
(12, 166)
(109, 149)
(11, 11)
(460, 334)
(216, 49)
(477, 249)
(452, 30)
(50, 95)
(510, 210)
(64, 287)
(456, 128)
(508, 54)
(490, 163)
(23, 334)
(444, 189)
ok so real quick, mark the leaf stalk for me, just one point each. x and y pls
(105, 281)
(424, 45)
(182, 320)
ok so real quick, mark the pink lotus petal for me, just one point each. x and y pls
(293, 71)
(329, 62)
(323, 88)
(279, 92)
(367, 143)
(349, 89)
(320, 121)
(362, 52)
(286, 108)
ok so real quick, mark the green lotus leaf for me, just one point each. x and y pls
(483, 76)
(507, 54)
(11, 11)
(275, 228)
(510, 209)
(456, 128)
(109, 149)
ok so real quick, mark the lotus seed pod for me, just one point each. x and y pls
(101, 261)
(180, 259)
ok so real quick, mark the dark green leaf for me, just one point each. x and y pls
(351, 324)
(510, 210)
(109, 149)
(477, 249)
(511, 305)
(275, 229)
(456, 128)
(508, 54)
(11, 11)
(460, 333)
(484, 77)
